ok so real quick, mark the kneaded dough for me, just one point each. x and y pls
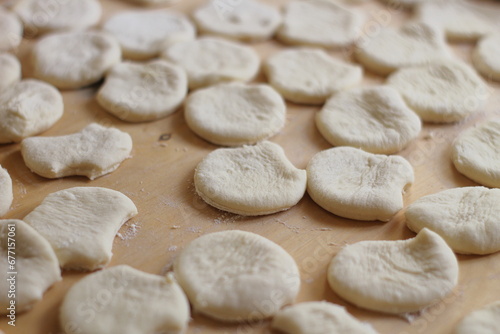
(250, 180)
(12, 31)
(237, 276)
(395, 276)
(10, 67)
(95, 151)
(35, 263)
(80, 224)
(354, 184)
(486, 57)
(6, 195)
(139, 92)
(235, 114)
(125, 300)
(375, 119)
(482, 321)
(310, 76)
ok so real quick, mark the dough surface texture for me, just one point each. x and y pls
(10, 67)
(6, 195)
(486, 57)
(12, 31)
(482, 321)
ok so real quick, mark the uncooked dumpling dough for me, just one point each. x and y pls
(250, 180)
(354, 184)
(12, 31)
(309, 75)
(482, 321)
(80, 224)
(237, 276)
(93, 152)
(486, 57)
(112, 298)
(375, 119)
(395, 276)
(235, 114)
(10, 67)
(6, 195)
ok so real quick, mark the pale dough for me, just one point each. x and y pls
(12, 31)
(310, 76)
(80, 224)
(375, 119)
(237, 276)
(10, 67)
(354, 184)
(395, 276)
(93, 152)
(235, 114)
(482, 321)
(124, 300)
(486, 57)
(6, 195)
(250, 180)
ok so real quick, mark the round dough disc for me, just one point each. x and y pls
(482, 321)
(6, 195)
(10, 67)
(486, 57)
(12, 31)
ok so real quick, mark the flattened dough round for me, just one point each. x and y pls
(486, 57)
(10, 67)
(6, 195)
(12, 31)
(482, 321)
(231, 276)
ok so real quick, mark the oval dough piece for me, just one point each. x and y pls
(310, 76)
(395, 276)
(354, 184)
(237, 276)
(250, 180)
(235, 114)
(486, 57)
(36, 265)
(6, 195)
(112, 297)
(374, 119)
(482, 321)
(137, 92)
(12, 31)
(10, 67)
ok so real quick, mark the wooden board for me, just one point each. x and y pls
(159, 179)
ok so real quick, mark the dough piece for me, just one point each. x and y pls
(28, 108)
(476, 153)
(395, 276)
(310, 76)
(235, 114)
(144, 34)
(249, 20)
(35, 263)
(466, 218)
(442, 92)
(6, 195)
(375, 119)
(143, 92)
(250, 180)
(482, 321)
(318, 318)
(113, 296)
(486, 57)
(12, 31)
(76, 59)
(237, 276)
(208, 61)
(10, 67)
(80, 224)
(354, 184)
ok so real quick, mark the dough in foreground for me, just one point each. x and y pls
(482, 321)
(6, 195)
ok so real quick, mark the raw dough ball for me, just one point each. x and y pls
(250, 180)
(10, 67)
(354, 184)
(28, 108)
(310, 76)
(237, 276)
(12, 31)
(76, 59)
(374, 119)
(395, 276)
(486, 57)
(143, 92)
(6, 195)
(235, 114)
(80, 224)
(145, 34)
(482, 321)
(125, 300)
(35, 263)
(208, 61)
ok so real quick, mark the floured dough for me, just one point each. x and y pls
(12, 31)
(6, 195)
(237, 276)
(375, 119)
(486, 57)
(482, 321)
(76, 59)
(10, 67)
(250, 180)
(80, 224)
(395, 276)
(310, 76)
(112, 298)
(235, 114)
(354, 184)
(138, 92)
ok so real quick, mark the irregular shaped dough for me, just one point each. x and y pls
(237, 276)
(486, 57)
(395, 276)
(309, 75)
(250, 180)
(354, 184)
(111, 298)
(374, 119)
(80, 224)
(235, 114)
(93, 152)
(10, 67)
(12, 31)
(482, 321)
(6, 195)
